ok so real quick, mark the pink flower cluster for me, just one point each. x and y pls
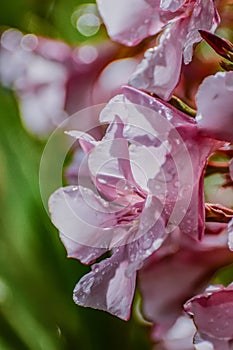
(142, 202)
(137, 212)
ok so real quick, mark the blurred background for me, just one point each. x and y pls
(36, 279)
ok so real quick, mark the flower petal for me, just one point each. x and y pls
(85, 254)
(109, 162)
(157, 73)
(215, 106)
(106, 287)
(212, 312)
(203, 16)
(176, 271)
(171, 5)
(130, 22)
(85, 218)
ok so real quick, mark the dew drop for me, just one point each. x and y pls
(86, 286)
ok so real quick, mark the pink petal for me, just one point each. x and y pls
(85, 254)
(171, 5)
(106, 287)
(85, 218)
(87, 142)
(146, 162)
(175, 272)
(204, 16)
(215, 106)
(130, 22)
(179, 184)
(112, 77)
(179, 337)
(151, 234)
(139, 122)
(157, 73)
(109, 162)
(213, 315)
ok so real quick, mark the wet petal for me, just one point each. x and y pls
(130, 22)
(212, 312)
(171, 5)
(146, 162)
(85, 218)
(215, 106)
(87, 142)
(164, 288)
(85, 254)
(203, 16)
(150, 235)
(157, 73)
(109, 162)
(106, 287)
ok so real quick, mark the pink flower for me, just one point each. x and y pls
(212, 313)
(147, 180)
(177, 271)
(51, 79)
(159, 72)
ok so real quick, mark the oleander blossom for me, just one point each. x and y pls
(177, 271)
(147, 181)
(131, 23)
(50, 78)
(212, 313)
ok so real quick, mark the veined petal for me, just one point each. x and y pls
(107, 287)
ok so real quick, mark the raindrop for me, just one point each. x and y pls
(86, 286)
(87, 54)
(88, 24)
(10, 39)
(29, 42)
(146, 244)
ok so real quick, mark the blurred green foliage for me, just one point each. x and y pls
(36, 279)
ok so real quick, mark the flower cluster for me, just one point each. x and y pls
(138, 211)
